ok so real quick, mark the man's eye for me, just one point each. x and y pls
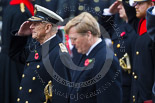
(74, 38)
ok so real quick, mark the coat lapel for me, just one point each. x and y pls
(40, 49)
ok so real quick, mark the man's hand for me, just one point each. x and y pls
(113, 8)
(25, 29)
(153, 10)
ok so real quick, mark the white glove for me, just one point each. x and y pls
(131, 3)
(153, 10)
(106, 12)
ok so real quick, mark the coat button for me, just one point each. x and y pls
(20, 88)
(81, 0)
(28, 64)
(48, 0)
(134, 100)
(34, 78)
(96, 1)
(18, 99)
(38, 66)
(135, 77)
(118, 45)
(80, 8)
(112, 42)
(133, 73)
(23, 75)
(137, 53)
(97, 9)
(26, 102)
(115, 54)
(30, 90)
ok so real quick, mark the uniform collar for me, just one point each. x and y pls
(49, 38)
(93, 46)
(49, 45)
(142, 27)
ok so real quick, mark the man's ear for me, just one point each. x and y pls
(48, 28)
(89, 34)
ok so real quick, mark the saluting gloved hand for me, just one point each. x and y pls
(131, 3)
(24, 29)
(153, 10)
(112, 9)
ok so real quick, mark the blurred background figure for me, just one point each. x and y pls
(14, 15)
(67, 9)
(151, 31)
(143, 66)
(123, 41)
(3, 4)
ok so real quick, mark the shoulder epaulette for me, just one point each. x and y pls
(63, 47)
(22, 7)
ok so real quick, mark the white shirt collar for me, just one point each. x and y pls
(93, 46)
(49, 38)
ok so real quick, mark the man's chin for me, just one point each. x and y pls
(79, 51)
(34, 37)
(138, 16)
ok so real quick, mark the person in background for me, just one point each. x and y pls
(14, 15)
(151, 31)
(143, 66)
(123, 41)
(84, 32)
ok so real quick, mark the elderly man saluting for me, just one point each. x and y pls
(43, 65)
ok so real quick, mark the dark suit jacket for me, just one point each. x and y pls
(98, 89)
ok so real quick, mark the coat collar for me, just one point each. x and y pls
(96, 48)
(49, 45)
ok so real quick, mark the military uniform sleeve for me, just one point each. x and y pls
(17, 48)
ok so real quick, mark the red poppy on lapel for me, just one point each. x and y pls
(36, 56)
(87, 62)
(122, 34)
